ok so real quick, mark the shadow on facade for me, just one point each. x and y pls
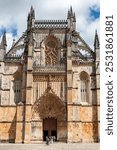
(95, 110)
(12, 130)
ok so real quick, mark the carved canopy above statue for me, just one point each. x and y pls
(49, 105)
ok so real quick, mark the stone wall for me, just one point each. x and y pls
(7, 123)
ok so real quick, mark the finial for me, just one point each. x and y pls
(31, 8)
(74, 17)
(71, 11)
(32, 12)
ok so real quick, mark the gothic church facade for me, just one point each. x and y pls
(49, 84)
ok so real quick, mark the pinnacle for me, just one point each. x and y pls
(96, 40)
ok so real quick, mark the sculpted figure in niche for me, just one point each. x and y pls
(37, 60)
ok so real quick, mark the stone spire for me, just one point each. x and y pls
(96, 41)
(71, 19)
(68, 15)
(31, 18)
(3, 45)
(71, 12)
(3, 41)
(32, 13)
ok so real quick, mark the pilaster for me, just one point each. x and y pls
(19, 122)
(69, 89)
(28, 105)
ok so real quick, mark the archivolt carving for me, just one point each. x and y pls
(49, 105)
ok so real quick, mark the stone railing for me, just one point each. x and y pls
(49, 69)
(12, 59)
(78, 56)
(47, 24)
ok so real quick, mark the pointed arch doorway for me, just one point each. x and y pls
(49, 127)
(51, 111)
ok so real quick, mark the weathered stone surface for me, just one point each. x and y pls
(90, 132)
(19, 132)
(52, 88)
(74, 132)
(7, 131)
(7, 114)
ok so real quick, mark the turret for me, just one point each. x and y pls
(31, 18)
(71, 18)
(3, 46)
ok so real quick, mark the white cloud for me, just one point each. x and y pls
(16, 12)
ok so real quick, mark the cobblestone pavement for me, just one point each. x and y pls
(55, 146)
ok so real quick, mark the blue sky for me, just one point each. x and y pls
(94, 13)
(13, 16)
(9, 29)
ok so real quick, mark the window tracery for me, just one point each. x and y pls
(51, 50)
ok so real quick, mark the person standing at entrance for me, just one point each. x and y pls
(47, 140)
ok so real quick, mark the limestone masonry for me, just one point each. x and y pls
(49, 84)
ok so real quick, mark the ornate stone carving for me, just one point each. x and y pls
(53, 78)
(93, 82)
(49, 105)
(37, 58)
(52, 45)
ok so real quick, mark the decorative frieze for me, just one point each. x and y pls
(49, 69)
(53, 78)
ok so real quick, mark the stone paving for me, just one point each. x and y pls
(55, 146)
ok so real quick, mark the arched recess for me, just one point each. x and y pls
(17, 84)
(52, 47)
(84, 87)
(49, 105)
(48, 116)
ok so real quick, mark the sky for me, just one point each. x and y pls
(13, 16)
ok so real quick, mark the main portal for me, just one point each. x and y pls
(49, 127)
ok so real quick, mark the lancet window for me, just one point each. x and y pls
(17, 90)
(84, 87)
(17, 87)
